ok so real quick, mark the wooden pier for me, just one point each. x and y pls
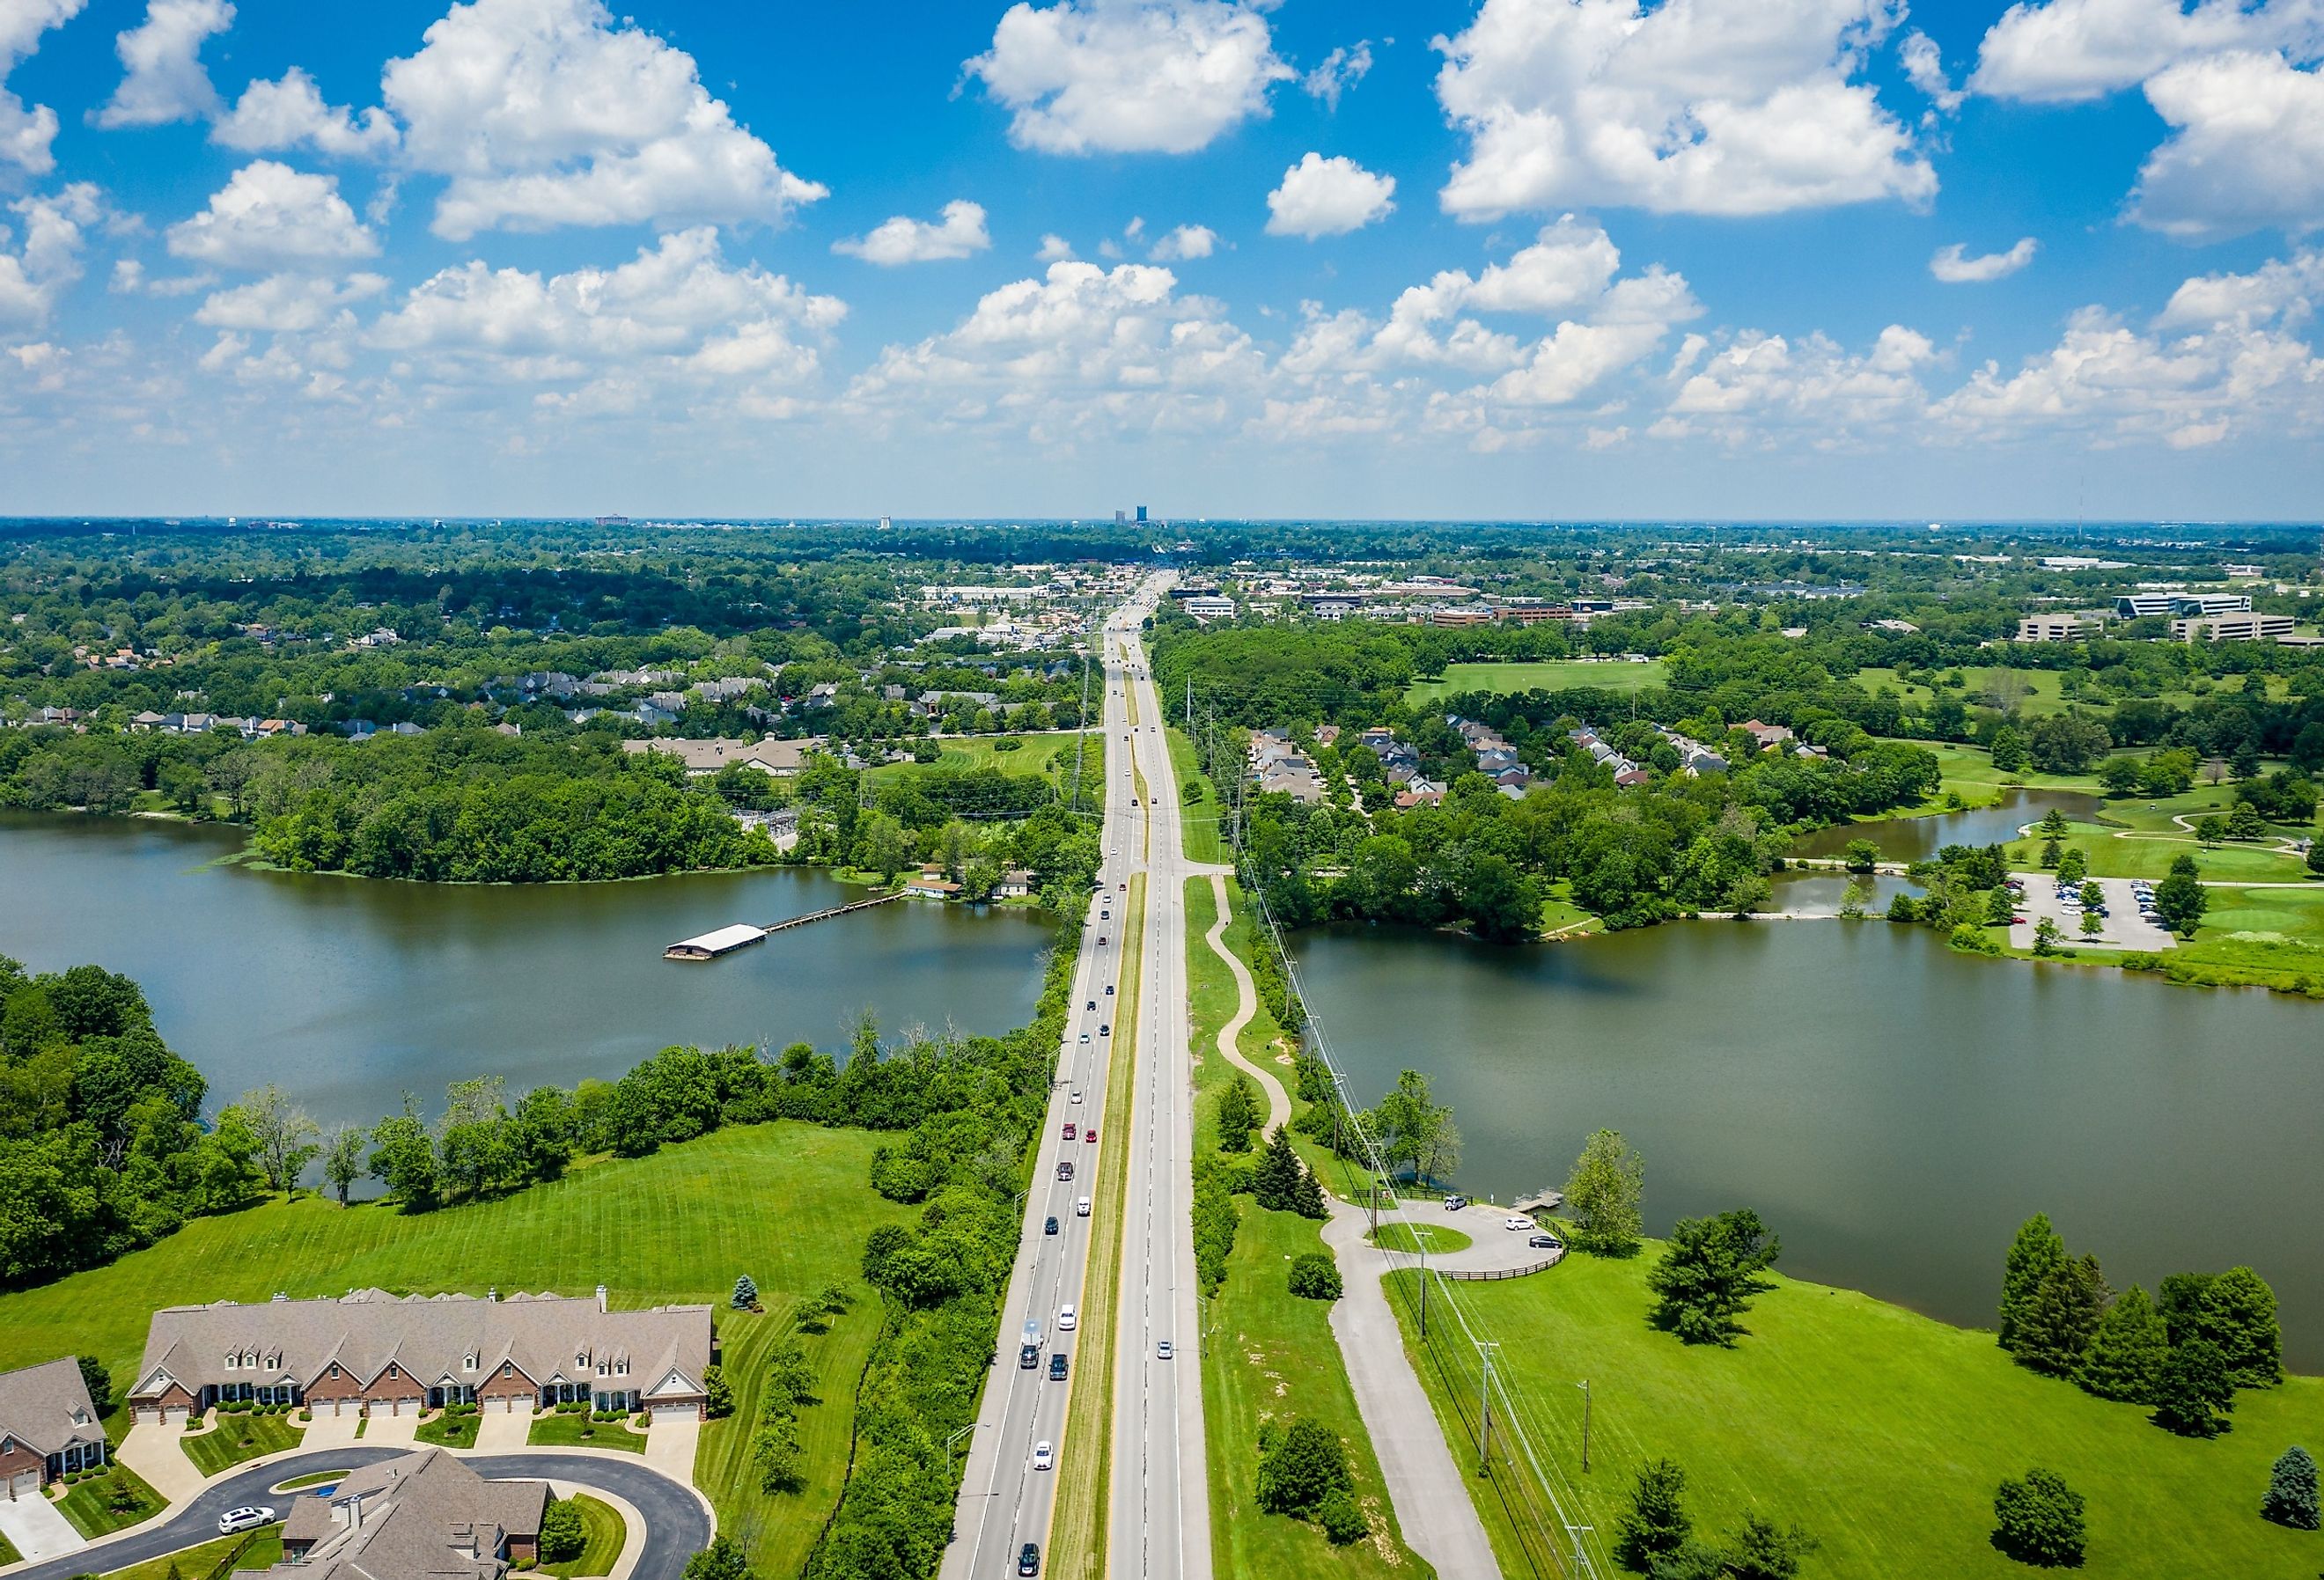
(725, 941)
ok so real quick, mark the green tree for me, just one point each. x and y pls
(97, 1380)
(1314, 1276)
(2046, 937)
(287, 1138)
(1605, 1193)
(562, 1534)
(722, 1559)
(1301, 1463)
(1342, 1518)
(880, 846)
(2122, 776)
(2212, 829)
(2091, 926)
(1761, 1549)
(343, 1160)
(2055, 1329)
(1275, 1183)
(2053, 824)
(718, 1395)
(1308, 1200)
(746, 1293)
(1692, 1559)
(2037, 1250)
(2246, 823)
(2072, 868)
(403, 1159)
(2181, 900)
(2196, 1393)
(1239, 1116)
(2010, 754)
(1410, 1124)
(2234, 1310)
(2291, 1497)
(1657, 1520)
(1999, 908)
(1861, 856)
(1708, 1274)
(2039, 1521)
(2316, 858)
(2054, 850)
(2124, 1359)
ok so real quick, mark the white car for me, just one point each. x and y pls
(1066, 1319)
(1084, 1039)
(1518, 1224)
(1043, 1456)
(1163, 1352)
(246, 1518)
(1077, 1091)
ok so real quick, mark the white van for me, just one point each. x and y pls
(1081, 1208)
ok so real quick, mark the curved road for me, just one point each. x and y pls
(677, 1525)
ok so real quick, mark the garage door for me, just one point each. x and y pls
(174, 1415)
(25, 1485)
(675, 1412)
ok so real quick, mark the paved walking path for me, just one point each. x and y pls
(1432, 1507)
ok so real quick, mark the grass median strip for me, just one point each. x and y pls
(1077, 1530)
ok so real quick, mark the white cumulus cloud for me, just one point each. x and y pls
(26, 133)
(162, 55)
(2062, 51)
(1186, 242)
(1337, 72)
(1952, 264)
(1924, 68)
(545, 113)
(904, 240)
(1129, 75)
(37, 274)
(1322, 197)
(290, 112)
(287, 303)
(1700, 107)
(2245, 150)
(270, 217)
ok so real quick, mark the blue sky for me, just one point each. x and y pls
(1535, 258)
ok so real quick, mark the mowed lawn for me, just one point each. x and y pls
(1049, 752)
(788, 1204)
(2151, 855)
(1538, 675)
(1198, 818)
(2269, 936)
(1882, 1432)
(1271, 1354)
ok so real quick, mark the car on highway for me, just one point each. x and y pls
(1029, 1561)
(1545, 1242)
(1109, 990)
(1081, 1208)
(1077, 1093)
(1106, 1029)
(1521, 1224)
(1085, 1039)
(1072, 1130)
(1066, 1171)
(1066, 1319)
(1093, 1003)
(1050, 1227)
(1163, 1351)
(1101, 939)
(246, 1518)
(1056, 1365)
(1043, 1456)
(1089, 1135)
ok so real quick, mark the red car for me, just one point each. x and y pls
(1089, 1135)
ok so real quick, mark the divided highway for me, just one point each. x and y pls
(1005, 1502)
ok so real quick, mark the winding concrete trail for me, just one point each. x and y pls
(1278, 1101)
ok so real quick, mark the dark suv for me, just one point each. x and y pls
(1029, 1560)
(1056, 1365)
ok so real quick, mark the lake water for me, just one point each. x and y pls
(348, 990)
(1911, 839)
(1893, 1109)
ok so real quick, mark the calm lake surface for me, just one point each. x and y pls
(1893, 1109)
(348, 990)
(1911, 840)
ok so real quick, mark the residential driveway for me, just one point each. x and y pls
(669, 1448)
(388, 1431)
(2124, 928)
(502, 1431)
(677, 1522)
(36, 1529)
(329, 1431)
(157, 1453)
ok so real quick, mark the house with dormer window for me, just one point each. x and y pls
(49, 1426)
(373, 1352)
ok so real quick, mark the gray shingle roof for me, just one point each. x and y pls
(47, 1406)
(412, 1518)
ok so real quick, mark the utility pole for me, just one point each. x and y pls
(1580, 1559)
(1080, 739)
(1485, 1348)
(1585, 1386)
(1190, 702)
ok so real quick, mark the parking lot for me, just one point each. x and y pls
(2124, 928)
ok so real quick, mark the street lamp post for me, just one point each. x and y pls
(1585, 1386)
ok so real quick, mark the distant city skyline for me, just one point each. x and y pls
(1555, 260)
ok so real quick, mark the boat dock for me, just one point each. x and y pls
(725, 941)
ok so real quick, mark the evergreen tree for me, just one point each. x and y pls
(2039, 1521)
(1692, 1560)
(2196, 1394)
(2239, 1317)
(1656, 1523)
(746, 1294)
(1707, 1277)
(1239, 1116)
(2125, 1357)
(2055, 1329)
(1308, 1200)
(2037, 1249)
(1275, 1183)
(1762, 1550)
(2291, 1490)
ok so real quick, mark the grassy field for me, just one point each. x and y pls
(675, 1226)
(1882, 1432)
(2043, 689)
(601, 1524)
(1266, 1352)
(2151, 855)
(1084, 1465)
(1544, 675)
(1561, 917)
(89, 1504)
(1042, 753)
(2269, 938)
(1198, 820)
(237, 1437)
(259, 1550)
(575, 1429)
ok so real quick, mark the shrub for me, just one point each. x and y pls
(1314, 1276)
(1300, 1465)
(1342, 1519)
(562, 1533)
(2039, 1521)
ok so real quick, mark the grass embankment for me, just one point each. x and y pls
(1078, 1518)
(1266, 1352)
(237, 1437)
(1882, 1432)
(1543, 675)
(603, 1534)
(676, 1226)
(575, 1429)
(255, 1550)
(2149, 855)
(1199, 813)
(1560, 917)
(89, 1504)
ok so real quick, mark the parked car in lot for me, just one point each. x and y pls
(1520, 1223)
(1545, 1242)
(1453, 1204)
(248, 1517)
